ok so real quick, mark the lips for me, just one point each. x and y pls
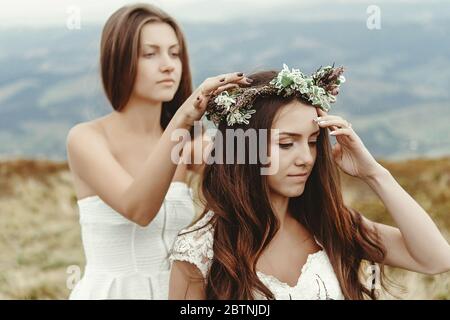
(166, 81)
(298, 175)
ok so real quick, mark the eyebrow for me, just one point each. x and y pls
(156, 46)
(295, 134)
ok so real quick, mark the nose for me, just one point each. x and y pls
(167, 64)
(303, 156)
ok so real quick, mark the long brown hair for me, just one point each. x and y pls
(244, 223)
(119, 51)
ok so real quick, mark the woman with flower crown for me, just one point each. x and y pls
(287, 234)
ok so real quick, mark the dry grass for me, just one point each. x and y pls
(39, 230)
(40, 234)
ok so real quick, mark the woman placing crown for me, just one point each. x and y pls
(132, 197)
(289, 235)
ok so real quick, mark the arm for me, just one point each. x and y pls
(139, 199)
(416, 244)
(196, 150)
(186, 282)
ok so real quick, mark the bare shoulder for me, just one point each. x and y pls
(84, 130)
(86, 139)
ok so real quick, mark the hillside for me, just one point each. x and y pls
(40, 234)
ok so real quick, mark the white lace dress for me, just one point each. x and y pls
(317, 279)
(125, 260)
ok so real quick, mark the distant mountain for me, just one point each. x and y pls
(396, 95)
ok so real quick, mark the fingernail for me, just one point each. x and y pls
(240, 74)
(316, 119)
(249, 80)
(332, 133)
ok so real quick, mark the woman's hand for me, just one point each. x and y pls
(349, 152)
(195, 106)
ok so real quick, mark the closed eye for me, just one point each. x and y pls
(288, 145)
(285, 145)
(174, 54)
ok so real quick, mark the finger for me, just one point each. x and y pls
(225, 87)
(343, 132)
(321, 113)
(211, 84)
(245, 81)
(203, 103)
(340, 123)
(325, 119)
(328, 117)
(198, 101)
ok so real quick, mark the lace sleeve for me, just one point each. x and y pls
(195, 246)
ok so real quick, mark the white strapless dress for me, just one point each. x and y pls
(125, 260)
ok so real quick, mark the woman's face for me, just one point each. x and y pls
(159, 65)
(294, 149)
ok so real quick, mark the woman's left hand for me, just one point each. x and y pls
(349, 152)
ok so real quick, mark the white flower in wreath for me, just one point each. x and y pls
(291, 81)
(225, 100)
(239, 116)
(319, 97)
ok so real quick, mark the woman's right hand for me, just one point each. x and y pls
(195, 106)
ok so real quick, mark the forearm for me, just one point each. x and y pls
(421, 236)
(146, 193)
(198, 151)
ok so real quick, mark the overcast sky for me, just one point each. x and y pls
(43, 13)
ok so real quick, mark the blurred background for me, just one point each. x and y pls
(397, 97)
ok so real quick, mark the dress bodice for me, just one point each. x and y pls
(317, 279)
(123, 259)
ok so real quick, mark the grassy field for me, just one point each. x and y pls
(40, 234)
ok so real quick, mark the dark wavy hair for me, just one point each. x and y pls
(244, 223)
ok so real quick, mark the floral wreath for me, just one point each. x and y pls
(235, 106)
